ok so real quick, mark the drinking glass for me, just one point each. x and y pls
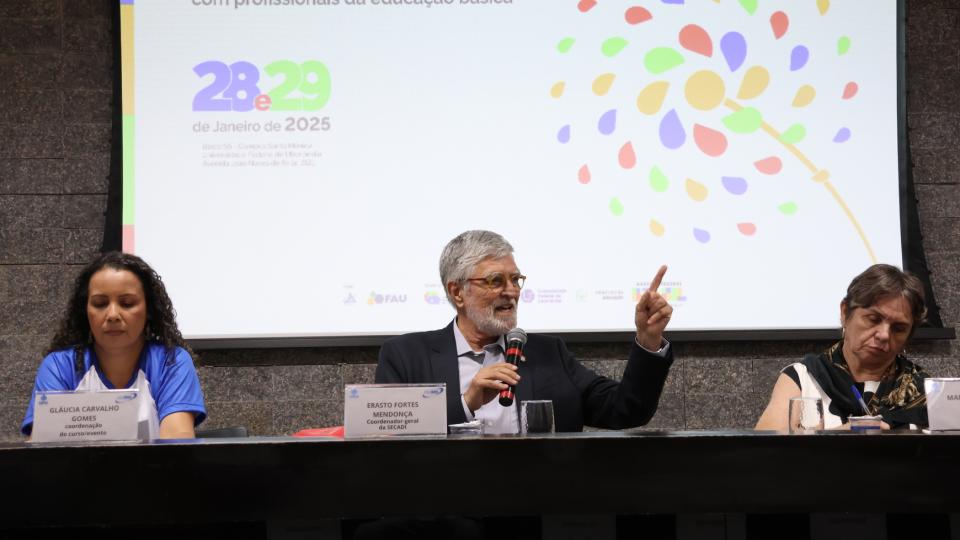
(536, 416)
(806, 415)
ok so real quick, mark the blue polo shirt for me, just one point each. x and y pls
(174, 384)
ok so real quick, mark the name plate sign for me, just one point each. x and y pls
(104, 415)
(377, 410)
(943, 403)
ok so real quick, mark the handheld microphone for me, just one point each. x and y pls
(516, 339)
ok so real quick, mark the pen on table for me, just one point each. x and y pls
(859, 397)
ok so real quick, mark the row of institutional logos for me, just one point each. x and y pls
(672, 292)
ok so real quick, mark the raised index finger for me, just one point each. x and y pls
(655, 284)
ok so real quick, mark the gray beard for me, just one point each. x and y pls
(488, 323)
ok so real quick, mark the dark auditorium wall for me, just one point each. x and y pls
(55, 118)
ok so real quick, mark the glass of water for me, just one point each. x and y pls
(806, 415)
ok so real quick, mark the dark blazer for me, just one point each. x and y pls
(579, 395)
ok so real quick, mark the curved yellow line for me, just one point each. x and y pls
(819, 175)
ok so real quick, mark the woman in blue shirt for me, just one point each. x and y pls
(120, 331)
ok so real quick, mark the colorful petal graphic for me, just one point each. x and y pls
(586, 5)
(850, 90)
(701, 235)
(658, 180)
(601, 85)
(564, 134)
(583, 175)
(651, 98)
(798, 57)
(734, 185)
(565, 44)
(672, 1)
(793, 134)
(627, 157)
(843, 45)
(734, 48)
(672, 134)
(696, 190)
(704, 90)
(842, 136)
(608, 122)
(613, 46)
(657, 228)
(770, 165)
(557, 89)
(747, 229)
(710, 141)
(637, 15)
(805, 95)
(755, 81)
(616, 207)
(823, 6)
(746, 120)
(779, 22)
(788, 208)
(661, 59)
(750, 6)
(695, 39)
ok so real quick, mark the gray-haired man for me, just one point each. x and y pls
(483, 283)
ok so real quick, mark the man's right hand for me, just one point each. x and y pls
(488, 382)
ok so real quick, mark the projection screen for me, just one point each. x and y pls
(294, 167)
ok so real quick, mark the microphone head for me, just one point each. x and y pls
(517, 334)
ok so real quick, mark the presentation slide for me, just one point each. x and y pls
(295, 167)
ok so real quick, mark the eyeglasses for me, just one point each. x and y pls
(498, 281)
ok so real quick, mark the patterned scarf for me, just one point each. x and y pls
(899, 399)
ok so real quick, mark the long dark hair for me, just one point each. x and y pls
(161, 325)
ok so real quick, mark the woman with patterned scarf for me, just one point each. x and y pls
(882, 308)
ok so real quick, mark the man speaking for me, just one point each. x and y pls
(483, 284)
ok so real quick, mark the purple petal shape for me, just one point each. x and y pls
(672, 1)
(608, 122)
(671, 130)
(734, 48)
(842, 136)
(798, 57)
(701, 235)
(564, 134)
(735, 185)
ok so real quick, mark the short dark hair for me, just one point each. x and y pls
(884, 280)
(161, 325)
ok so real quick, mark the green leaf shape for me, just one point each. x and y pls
(749, 5)
(662, 59)
(658, 180)
(613, 46)
(843, 45)
(746, 120)
(788, 208)
(794, 134)
(565, 45)
(616, 207)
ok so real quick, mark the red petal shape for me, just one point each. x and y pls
(747, 229)
(850, 90)
(710, 141)
(770, 165)
(586, 5)
(637, 15)
(627, 157)
(583, 175)
(696, 39)
(779, 23)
